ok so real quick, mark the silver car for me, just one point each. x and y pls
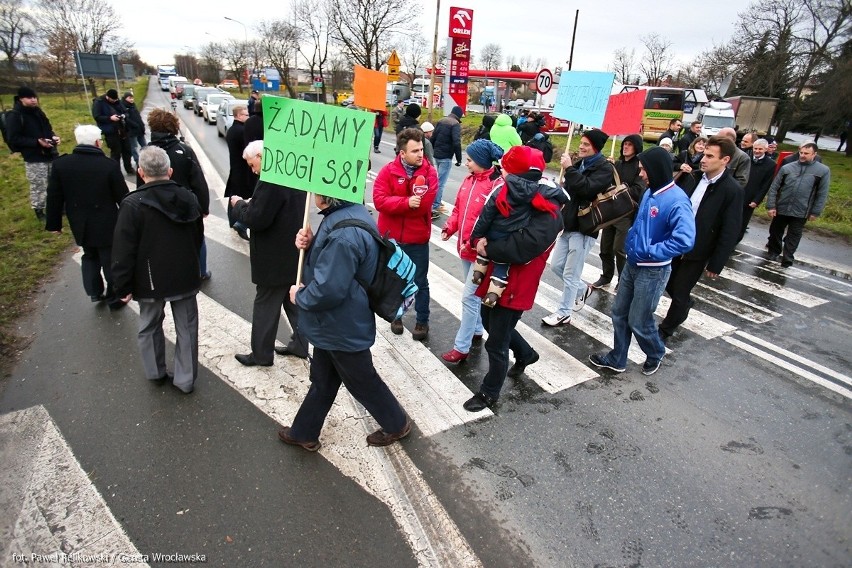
(211, 104)
(225, 114)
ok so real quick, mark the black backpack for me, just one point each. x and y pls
(392, 290)
(5, 117)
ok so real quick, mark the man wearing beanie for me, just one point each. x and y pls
(428, 150)
(409, 120)
(111, 117)
(30, 133)
(446, 141)
(135, 126)
(664, 229)
(584, 180)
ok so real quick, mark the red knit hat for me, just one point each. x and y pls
(521, 159)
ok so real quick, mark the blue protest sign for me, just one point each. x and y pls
(583, 96)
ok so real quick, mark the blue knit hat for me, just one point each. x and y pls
(484, 152)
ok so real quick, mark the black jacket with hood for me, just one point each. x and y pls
(485, 128)
(186, 171)
(156, 242)
(25, 125)
(628, 170)
(135, 124)
(410, 120)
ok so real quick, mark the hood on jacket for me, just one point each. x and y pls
(658, 166)
(488, 121)
(164, 140)
(634, 139)
(503, 120)
(170, 199)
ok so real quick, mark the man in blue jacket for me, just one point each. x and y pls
(335, 317)
(664, 228)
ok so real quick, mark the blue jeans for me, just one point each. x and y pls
(471, 320)
(202, 257)
(377, 137)
(502, 336)
(569, 256)
(136, 144)
(444, 167)
(639, 291)
(420, 257)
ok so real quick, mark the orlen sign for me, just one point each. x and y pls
(461, 22)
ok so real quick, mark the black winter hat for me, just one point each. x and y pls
(127, 94)
(112, 93)
(457, 110)
(26, 93)
(413, 110)
(597, 137)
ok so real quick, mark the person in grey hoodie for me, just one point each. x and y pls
(796, 196)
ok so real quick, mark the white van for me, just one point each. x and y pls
(173, 80)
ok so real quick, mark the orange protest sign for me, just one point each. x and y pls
(370, 87)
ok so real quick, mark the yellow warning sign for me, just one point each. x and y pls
(393, 60)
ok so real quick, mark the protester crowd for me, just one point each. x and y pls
(690, 201)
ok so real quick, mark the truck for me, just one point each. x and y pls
(163, 74)
(753, 114)
(716, 116)
(397, 91)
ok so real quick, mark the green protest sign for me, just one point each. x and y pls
(316, 147)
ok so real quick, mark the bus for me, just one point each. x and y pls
(662, 105)
(163, 73)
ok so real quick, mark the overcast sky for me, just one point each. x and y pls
(538, 28)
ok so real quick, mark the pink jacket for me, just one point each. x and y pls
(470, 199)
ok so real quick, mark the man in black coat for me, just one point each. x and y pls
(111, 117)
(759, 179)
(30, 133)
(88, 186)
(240, 178)
(673, 132)
(135, 126)
(717, 203)
(274, 214)
(155, 260)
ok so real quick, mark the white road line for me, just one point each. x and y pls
(773, 289)
(798, 358)
(788, 366)
(799, 273)
(834, 286)
(739, 307)
(61, 510)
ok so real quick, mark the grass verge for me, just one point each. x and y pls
(28, 254)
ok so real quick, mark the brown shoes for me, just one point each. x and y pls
(382, 438)
(421, 331)
(396, 327)
(284, 436)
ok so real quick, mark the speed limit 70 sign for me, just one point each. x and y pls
(544, 81)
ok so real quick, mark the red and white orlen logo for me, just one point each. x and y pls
(461, 22)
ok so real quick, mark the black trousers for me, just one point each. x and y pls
(355, 370)
(119, 150)
(685, 275)
(265, 316)
(747, 213)
(502, 337)
(96, 260)
(612, 252)
(794, 226)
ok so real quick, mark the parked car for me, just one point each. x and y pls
(188, 95)
(210, 106)
(228, 84)
(312, 97)
(200, 95)
(225, 114)
(348, 101)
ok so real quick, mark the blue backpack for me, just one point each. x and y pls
(392, 290)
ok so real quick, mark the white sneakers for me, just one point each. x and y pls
(555, 320)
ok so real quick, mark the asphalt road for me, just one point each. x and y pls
(736, 453)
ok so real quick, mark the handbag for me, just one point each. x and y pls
(607, 208)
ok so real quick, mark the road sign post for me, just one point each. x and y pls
(544, 81)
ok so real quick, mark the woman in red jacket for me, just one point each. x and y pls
(471, 196)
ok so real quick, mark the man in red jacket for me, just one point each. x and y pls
(403, 194)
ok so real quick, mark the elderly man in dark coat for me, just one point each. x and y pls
(274, 215)
(89, 187)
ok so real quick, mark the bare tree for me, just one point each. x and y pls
(492, 56)
(624, 66)
(58, 59)
(280, 41)
(235, 56)
(313, 19)
(415, 54)
(93, 24)
(526, 63)
(212, 55)
(657, 61)
(362, 28)
(16, 29)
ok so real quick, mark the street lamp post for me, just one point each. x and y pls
(434, 62)
(245, 32)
